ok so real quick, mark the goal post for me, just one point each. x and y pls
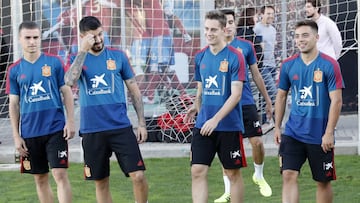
(128, 22)
(358, 67)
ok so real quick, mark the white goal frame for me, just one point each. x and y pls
(17, 17)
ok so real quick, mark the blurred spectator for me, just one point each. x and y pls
(268, 70)
(330, 41)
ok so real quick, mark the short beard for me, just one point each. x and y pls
(96, 50)
(310, 16)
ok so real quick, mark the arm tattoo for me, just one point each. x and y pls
(73, 74)
(139, 108)
(137, 103)
(131, 81)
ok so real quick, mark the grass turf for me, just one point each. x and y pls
(170, 182)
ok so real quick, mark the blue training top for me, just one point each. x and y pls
(216, 73)
(248, 51)
(102, 92)
(38, 87)
(310, 87)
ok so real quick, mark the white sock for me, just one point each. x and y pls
(259, 170)
(226, 184)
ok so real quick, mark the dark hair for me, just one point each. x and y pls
(28, 25)
(314, 3)
(89, 23)
(309, 23)
(262, 10)
(247, 17)
(216, 15)
(228, 12)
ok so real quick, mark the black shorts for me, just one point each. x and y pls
(228, 145)
(98, 148)
(49, 150)
(252, 124)
(293, 154)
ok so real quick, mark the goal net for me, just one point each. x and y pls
(160, 38)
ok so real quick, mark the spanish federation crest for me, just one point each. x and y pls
(26, 164)
(46, 71)
(224, 66)
(110, 64)
(318, 75)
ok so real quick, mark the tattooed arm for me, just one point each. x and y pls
(136, 98)
(73, 74)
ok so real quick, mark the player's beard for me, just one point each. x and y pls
(310, 15)
(98, 47)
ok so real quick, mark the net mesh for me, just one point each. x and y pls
(136, 26)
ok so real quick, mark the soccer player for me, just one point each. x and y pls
(220, 73)
(250, 116)
(316, 84)
(329, 41)
(105, 127)
(34, 84)
(268, 70)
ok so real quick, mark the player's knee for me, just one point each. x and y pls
(198, 171)
(290, 176)
(59, 174)
(138, 176)
(232, 174)
(41, 179)
(256, 142)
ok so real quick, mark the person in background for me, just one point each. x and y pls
(316, 84)
(330, 41)
(245, 30)
(250, 116)
(101, 73)
(268, 70)
(35, 84)
(220, 73)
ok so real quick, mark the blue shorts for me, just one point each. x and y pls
(99, 146)
(43, 151)
(293, 154)
(228, 145)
